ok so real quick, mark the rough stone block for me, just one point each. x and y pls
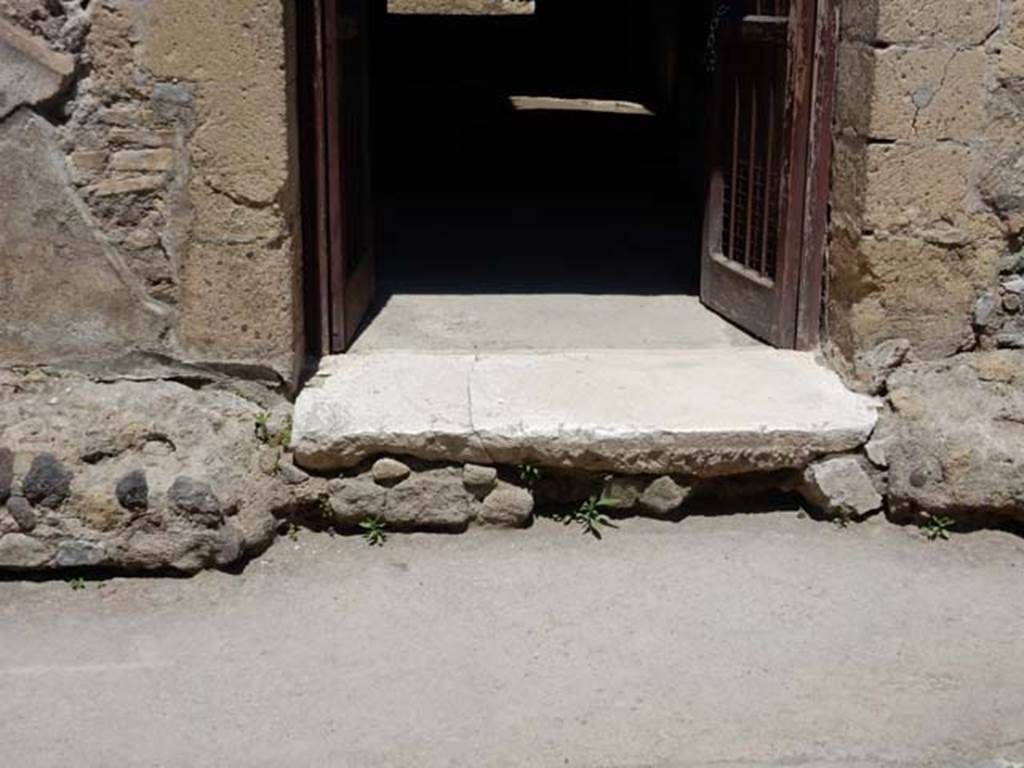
(197, 500)
(907, 93)
(856, 64)
(479, 480)
(884, 289)
(148, 160)
(30, 73)
(355, 500)
(87, 164)
(19, 552)
(243, 185)
(508, 506)
(233, 50)
(22, 512)
(388, 472)
(216, 218)
(141, 138)
(238, 304)
(958, 22)
(6, 474)
(954, 440)
(664, 496)
(623, 413)
(434, 500)
(133, 490)
(48, 482)
(840, 486)
(80, 554)
(64, 292)
(128, 185)
(911, 186)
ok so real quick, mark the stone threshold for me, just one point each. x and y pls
(700, 413)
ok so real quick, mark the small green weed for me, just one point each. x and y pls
(284, 437)
(374, 531)
(529, 475)
(293, 532)
(77, 584)
(842, 519)
(591, 517)
(325, 508)
(937, 528)
(261, 427)
(280, 439)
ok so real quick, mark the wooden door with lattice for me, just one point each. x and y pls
(762, 56)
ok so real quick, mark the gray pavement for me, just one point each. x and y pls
(748, 640)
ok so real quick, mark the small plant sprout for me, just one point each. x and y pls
(325, 508)
(591, 517)
(842, 519)
(529, 474)
(284, 437)
(77, 584)
(261, 427)
(267, 436)
(936, 528)
(374, 531)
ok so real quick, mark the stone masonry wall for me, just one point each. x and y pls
(928, 202)
(926, 266)
(149, 203)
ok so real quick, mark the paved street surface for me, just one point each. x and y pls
(750, 640)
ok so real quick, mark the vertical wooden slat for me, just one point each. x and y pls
(319, 168)
(769, 193)
(734, 183)
(748, 241)
(335, 172)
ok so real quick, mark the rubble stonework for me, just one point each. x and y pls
(171, 235)
(926, 266)
(149, 220)
(160, 476)
(955, 439)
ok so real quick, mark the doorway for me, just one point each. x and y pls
(543, 180)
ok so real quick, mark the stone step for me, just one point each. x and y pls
(703, 413)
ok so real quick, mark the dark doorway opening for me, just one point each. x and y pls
(543, 153)
(590, 149)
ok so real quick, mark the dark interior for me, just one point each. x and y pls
(472, 195)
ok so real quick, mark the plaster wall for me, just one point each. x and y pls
(150, 204)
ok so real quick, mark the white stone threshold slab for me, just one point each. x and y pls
(695, 412)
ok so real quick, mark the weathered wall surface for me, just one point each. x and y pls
(928, 201)
(149, 200)
(926, 264)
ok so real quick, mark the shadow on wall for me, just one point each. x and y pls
(849, 280)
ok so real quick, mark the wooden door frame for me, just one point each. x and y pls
(337, 296)
(812, 293)
(312, 128)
